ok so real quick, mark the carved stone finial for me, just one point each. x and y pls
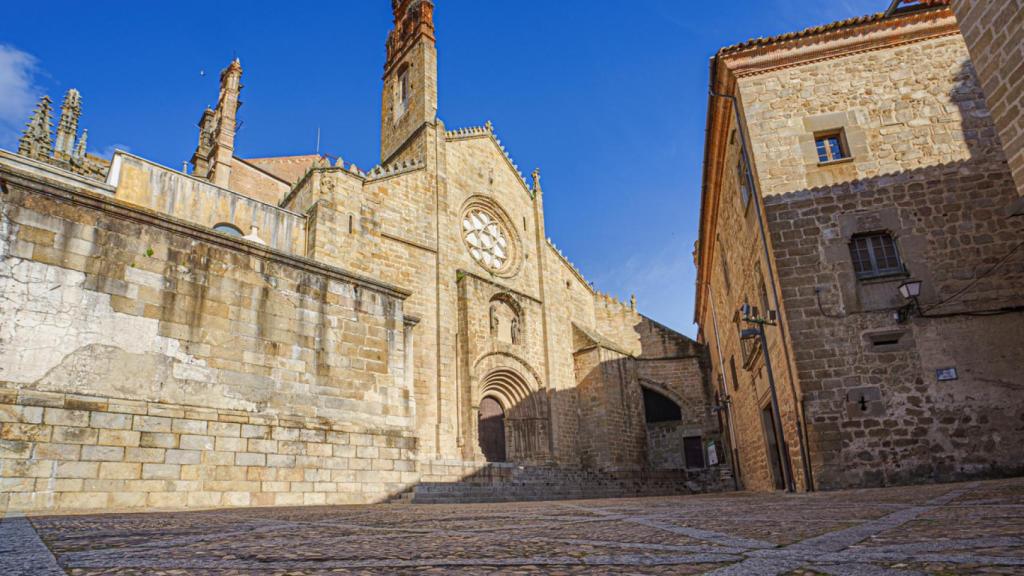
(632, 302)
(67, 126)
(79, 154)
(36, 141)
(254, 235)
(489, 126)
(536, 180)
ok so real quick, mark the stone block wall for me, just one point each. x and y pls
(178, 195)
(76, 452)
(932, 174)
(147, 361)
(993, 32)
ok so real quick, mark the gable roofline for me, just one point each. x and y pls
(487, 131)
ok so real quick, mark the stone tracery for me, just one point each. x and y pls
(486, 239)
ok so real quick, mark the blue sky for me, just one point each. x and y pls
(607, 97)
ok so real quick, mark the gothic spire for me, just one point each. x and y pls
(35, 141)
(67, 127)
(79, 154)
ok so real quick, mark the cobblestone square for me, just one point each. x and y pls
(947, 529)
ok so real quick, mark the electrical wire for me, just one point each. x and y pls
(976, 280)
(821, 309)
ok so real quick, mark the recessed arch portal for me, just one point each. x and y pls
(504, 391)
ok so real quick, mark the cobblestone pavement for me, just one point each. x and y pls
(951, 529)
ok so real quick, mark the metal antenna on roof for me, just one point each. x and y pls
(318, 140)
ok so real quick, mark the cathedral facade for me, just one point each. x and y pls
(296, 330)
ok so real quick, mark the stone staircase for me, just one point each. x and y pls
(503, 482)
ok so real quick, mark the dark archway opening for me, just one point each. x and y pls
(491, 430)
(659, 408)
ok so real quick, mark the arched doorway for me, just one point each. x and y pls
(491, 430)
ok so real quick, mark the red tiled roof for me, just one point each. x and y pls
(907, 6)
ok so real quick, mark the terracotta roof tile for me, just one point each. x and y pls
(909, 6)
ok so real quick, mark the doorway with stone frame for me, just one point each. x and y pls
(491, 430)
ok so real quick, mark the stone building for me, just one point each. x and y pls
(293, 330)
(845, 164)
(992, 31)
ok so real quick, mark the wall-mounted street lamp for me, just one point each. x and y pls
(910, 290)
(751, 315)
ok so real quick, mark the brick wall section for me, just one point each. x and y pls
(994, 32)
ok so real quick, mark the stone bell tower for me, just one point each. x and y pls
(216, 149)
(410, 75)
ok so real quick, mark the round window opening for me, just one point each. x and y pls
(486, 239)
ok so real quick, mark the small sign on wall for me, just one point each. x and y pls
(712, 454)
(945, 374)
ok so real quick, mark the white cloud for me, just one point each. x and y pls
(18, 92)
(108, 151)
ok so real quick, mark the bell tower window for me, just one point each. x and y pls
(404, 90)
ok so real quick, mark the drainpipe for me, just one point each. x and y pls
(755, 195)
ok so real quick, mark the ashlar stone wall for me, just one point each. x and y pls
(932, 174)
(992, 31)
(146, 361)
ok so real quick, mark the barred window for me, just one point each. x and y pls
(830, 147)
(875, 254)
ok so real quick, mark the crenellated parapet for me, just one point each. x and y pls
(395, 168)
(568, 263)
(614, 302)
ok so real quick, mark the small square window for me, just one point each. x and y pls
(831, 146)
(874, 255)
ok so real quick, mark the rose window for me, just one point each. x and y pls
(486, 239)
